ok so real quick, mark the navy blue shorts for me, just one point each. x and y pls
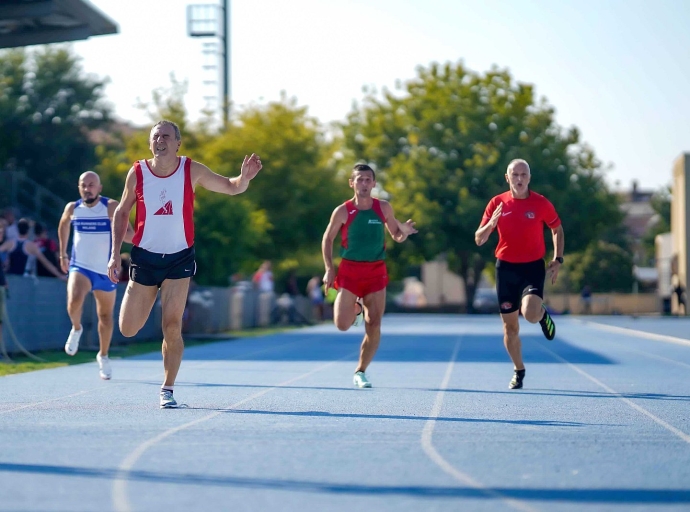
(151, 269)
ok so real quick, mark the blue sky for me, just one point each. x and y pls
(619, 70)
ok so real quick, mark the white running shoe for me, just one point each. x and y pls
(167, 399)
(104, 367)
(360, 380)
(72, 344)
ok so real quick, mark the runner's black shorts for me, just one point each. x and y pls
(151, 269)
(515, 280)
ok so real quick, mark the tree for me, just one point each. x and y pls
(441, 145)
(605, 267)
(298, 187)
(47, 107)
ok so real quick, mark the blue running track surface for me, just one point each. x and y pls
(274, 423)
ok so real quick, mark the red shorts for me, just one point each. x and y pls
(362, 277)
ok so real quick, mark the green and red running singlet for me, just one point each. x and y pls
(363, 235)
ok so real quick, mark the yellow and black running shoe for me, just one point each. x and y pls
(547, 325)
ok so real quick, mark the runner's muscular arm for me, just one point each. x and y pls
(338, 218)
(398, 230)
(63, 236)
(558, 241)
(120, 223)
(112, 206)
(483, 232)
(558, 248)
(208, 179)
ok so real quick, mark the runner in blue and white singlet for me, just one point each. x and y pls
(90, 219)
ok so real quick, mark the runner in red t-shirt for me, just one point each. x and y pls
(520, 215)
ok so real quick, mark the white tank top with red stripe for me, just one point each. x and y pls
(164, 209)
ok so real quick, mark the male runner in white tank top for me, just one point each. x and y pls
(91, 218)
(162, 188)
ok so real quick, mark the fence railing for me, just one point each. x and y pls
(32, 198)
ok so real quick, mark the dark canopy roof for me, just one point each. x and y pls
(28, 22)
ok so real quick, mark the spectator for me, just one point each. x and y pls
(25, 253)
(315, 294)
(3, 239)
(11, 230)
(49, 249)
(3, 282)
(263, 278)
(291, 286)
(5, 246)
(586, 297)
(679, 292)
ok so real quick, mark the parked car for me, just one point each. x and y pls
(485, 301)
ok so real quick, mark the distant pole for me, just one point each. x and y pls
(226, 63)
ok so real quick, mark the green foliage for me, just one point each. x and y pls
(605, 267)
(228, 230)
(441, 146)
(47, 106)
(297, 187)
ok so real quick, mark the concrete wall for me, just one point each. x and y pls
(607, 303)
(441, 285)
(37, 313)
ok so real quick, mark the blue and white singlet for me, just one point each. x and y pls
(92, 236)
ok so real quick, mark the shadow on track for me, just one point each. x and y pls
(599, 495)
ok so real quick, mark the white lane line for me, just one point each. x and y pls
(120, 499)
(682, 435)
(648, 355)
(437, 458)
(639, 334)
(158, 373)
(36, 404)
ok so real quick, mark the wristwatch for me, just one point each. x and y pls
(559, 259)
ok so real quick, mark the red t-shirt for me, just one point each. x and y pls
(521, 226)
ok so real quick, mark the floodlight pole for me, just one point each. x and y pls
(226, 63)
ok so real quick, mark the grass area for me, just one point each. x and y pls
(55, 358)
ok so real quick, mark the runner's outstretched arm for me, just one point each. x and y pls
(398, 230)
(208, 179)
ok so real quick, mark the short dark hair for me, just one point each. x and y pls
(38, 228)
(362, 168)
(23, 227)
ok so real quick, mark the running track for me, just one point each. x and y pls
(274, 424)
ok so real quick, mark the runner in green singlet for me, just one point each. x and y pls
(362, 272)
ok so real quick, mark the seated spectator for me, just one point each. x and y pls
(315, 293)
(11, 229)
(49, 249)
(23, 257)
(5, 242)
(263, 278)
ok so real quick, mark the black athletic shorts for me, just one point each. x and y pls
(515, 280)
(151, 268)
